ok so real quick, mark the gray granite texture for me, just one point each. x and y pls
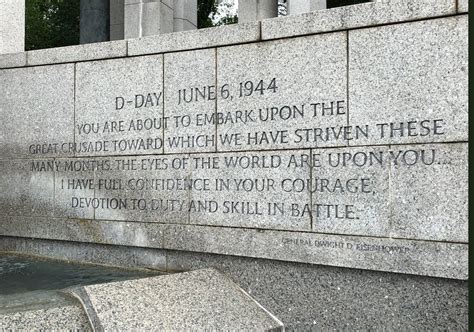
(281, 87)
(351, 191)
(119, 106)
(24, 192)
(303, 296)
(114, 255)
(49, 91)
(395, 75)
(75, 53)
(429, 192)
(202, 38)
(190, 99)
(153, 189)
(73, 180)
(463, 6)
(12, 26)
(360, 15)
(321, 298)
(9, 60)
(252, 189)
(439, 259)
(135, 234)
(197, 300)
(69, 317)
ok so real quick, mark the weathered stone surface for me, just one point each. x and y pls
(75, 53)
(26, 192)
(360, 15)
(250, 10)
(60, 318)
(12, 60)
(190, 99)
(202, 38)
(406, 302)
(147, 18)
(276, 94)
(429, 192)
(315, 297)
(350, 191)
(463, 6)
(295, 7)
(73, 180)
(151, 188)
(37, 109)
(184, 15)
(123, 256)
(439, 259)
(83, 230)
(12, 26)
(252, 189)
(119, 106)
(203, 299)
(414, 74)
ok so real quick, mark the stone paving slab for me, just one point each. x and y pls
(198, 300)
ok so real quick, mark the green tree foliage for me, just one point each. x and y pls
(205, 8)
(51, 23)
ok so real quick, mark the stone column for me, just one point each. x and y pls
(256, 10)
(185, 15)
(94, 21)
(12, 26)
(117, 19)
(296, 7)
(147, 17)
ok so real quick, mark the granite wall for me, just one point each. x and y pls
(333, 138)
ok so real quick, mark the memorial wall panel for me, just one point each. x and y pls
(37, 111)
(119, 107)
(345, 148)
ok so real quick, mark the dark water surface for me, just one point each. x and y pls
(28, 282)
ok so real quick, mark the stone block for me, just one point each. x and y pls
(119, 107)
(116, 12)
(131, 20)
(107, 232)
(463, 6)
(76, 53)
(350, 191)
(37, 111)
(185, 13)
(26, 187)
(190, 99)
(252, 189)
(74, 181)
(12, 26)
(117, 31)
(203, 299)
(250, 10)
(395, 82)
(202, 38)
(429, 192)
(283, 94)
(437, 259)
(68, 317)
(182, 25)
(337, 295)
(116, 255)
(12, 60)
(151, 188)
(296, 7)
(355, 16)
